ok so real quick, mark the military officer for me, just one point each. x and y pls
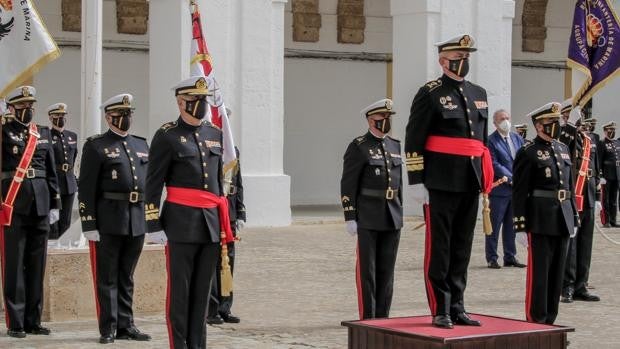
(186, 157)
(30, 204)
(219, 305)
(522, 130)
(579, 255)
(449, 165)
(111, 206)
(64, 143)
(609, 151)
(372, 201)
(545, 210)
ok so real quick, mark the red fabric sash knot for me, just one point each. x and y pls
(203, 199)
(465, 147)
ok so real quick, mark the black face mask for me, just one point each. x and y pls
(523, 134)
(552, 130)
(384, 125)
(460, 67)
(122, 121)
(197, 108)
(611, 134)
(59, 121)
(24, 115)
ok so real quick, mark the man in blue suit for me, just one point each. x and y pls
(503, 145)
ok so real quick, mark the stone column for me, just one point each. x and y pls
(169, 42)
(91, 68)
(417, 25)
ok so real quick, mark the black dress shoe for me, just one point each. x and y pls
(215, 320)
(514, 263)
(133, 334)
(493, 265)
(38, 329)
(230, 318)
(16, 333)
(464, 319)
(586, 296)
(106, 339)
(442, 321)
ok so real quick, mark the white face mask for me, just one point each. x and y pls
(504, 126)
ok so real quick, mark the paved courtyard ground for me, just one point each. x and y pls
(295, 285)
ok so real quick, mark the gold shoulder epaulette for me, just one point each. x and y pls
(168, 125)
(359, 140)
(93, 137)
(431, 85)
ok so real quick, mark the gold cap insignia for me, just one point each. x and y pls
(465, 41)
(201, 84)
(25, 91)
(388, 104)
(555, 108)
(61, 108)
(125, 100)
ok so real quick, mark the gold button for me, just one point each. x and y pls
(199, 144)
(472, 158)
(389, 179)
(465, 98)
(561, 182)
(135, 188)
(204, 164)
(135, 177)
(125, 143)
(133, 168)
(388, 170)
(470, 122)
(203, 153)
(206, 175)
(468, 110)
(206, 186)
(472, 133)
(196, 134)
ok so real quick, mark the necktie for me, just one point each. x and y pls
(511, 147)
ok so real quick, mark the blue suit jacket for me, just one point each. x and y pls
(502, 160)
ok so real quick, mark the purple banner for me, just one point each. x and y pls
(594, 47)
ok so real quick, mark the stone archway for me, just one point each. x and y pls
(534, 30)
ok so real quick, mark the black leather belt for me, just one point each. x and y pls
(64, 167)
(132, 197)
(389, 193)
(30, 173)
(561, 194)
(590, 173)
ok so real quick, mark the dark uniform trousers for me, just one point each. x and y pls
(453, 109)
(64, 221)
(24, 242)
(65, 153)
(371, 195)
(610, 202)
(545, 208)
(579, 256)
(113, 167)
(187, 158)
(609, 154)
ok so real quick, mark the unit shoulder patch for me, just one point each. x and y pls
(167, 126)
(360, 140)
(431, 85)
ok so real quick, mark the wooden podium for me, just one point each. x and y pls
(417, 332)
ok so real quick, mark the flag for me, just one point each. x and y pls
(594, 48)
(25, 43)
(201, 64)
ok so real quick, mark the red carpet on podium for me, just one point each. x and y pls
(491, 326)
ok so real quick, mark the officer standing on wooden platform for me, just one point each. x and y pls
(30, 204)
(111, 206)
(186, 157)
(449, 165)
(545, 209)
(65, 147)
(372, 201)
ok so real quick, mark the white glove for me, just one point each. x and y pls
(240, 224)
(521, 238)
(92, 235)
(351, 227)
(603, 181)
(597, 206)
(420, 193)
(158, 237)
(574, 232)
(54, 215)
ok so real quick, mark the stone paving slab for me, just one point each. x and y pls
(295, 285)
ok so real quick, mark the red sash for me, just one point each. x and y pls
(582, 174)
(465, 147)
(6, 213)
(203, 199)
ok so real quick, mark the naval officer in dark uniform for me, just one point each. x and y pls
(65, 147)
(186, 157)
(24, 240)
(609, 151)
(111, 206)
(449, 165)
(521, 129)
(545, 210)
(372, 201)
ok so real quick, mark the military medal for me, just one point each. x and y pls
(183, 139)
(548, 172)
(114, 174)
(377, 171)
(15, 149)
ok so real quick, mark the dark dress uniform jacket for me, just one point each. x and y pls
(115, 164)
(542, 165)
(446, 107)
(236, 208)
(374, 164)
(36, 195)
(185, 156)
(609, 150)
(65, 154)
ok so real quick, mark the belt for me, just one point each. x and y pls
(561, 194)
(590, 173)
(389, 193)
(64, 167)
(30, 173)
(132, 197)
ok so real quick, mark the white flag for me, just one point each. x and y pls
(25, 44)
